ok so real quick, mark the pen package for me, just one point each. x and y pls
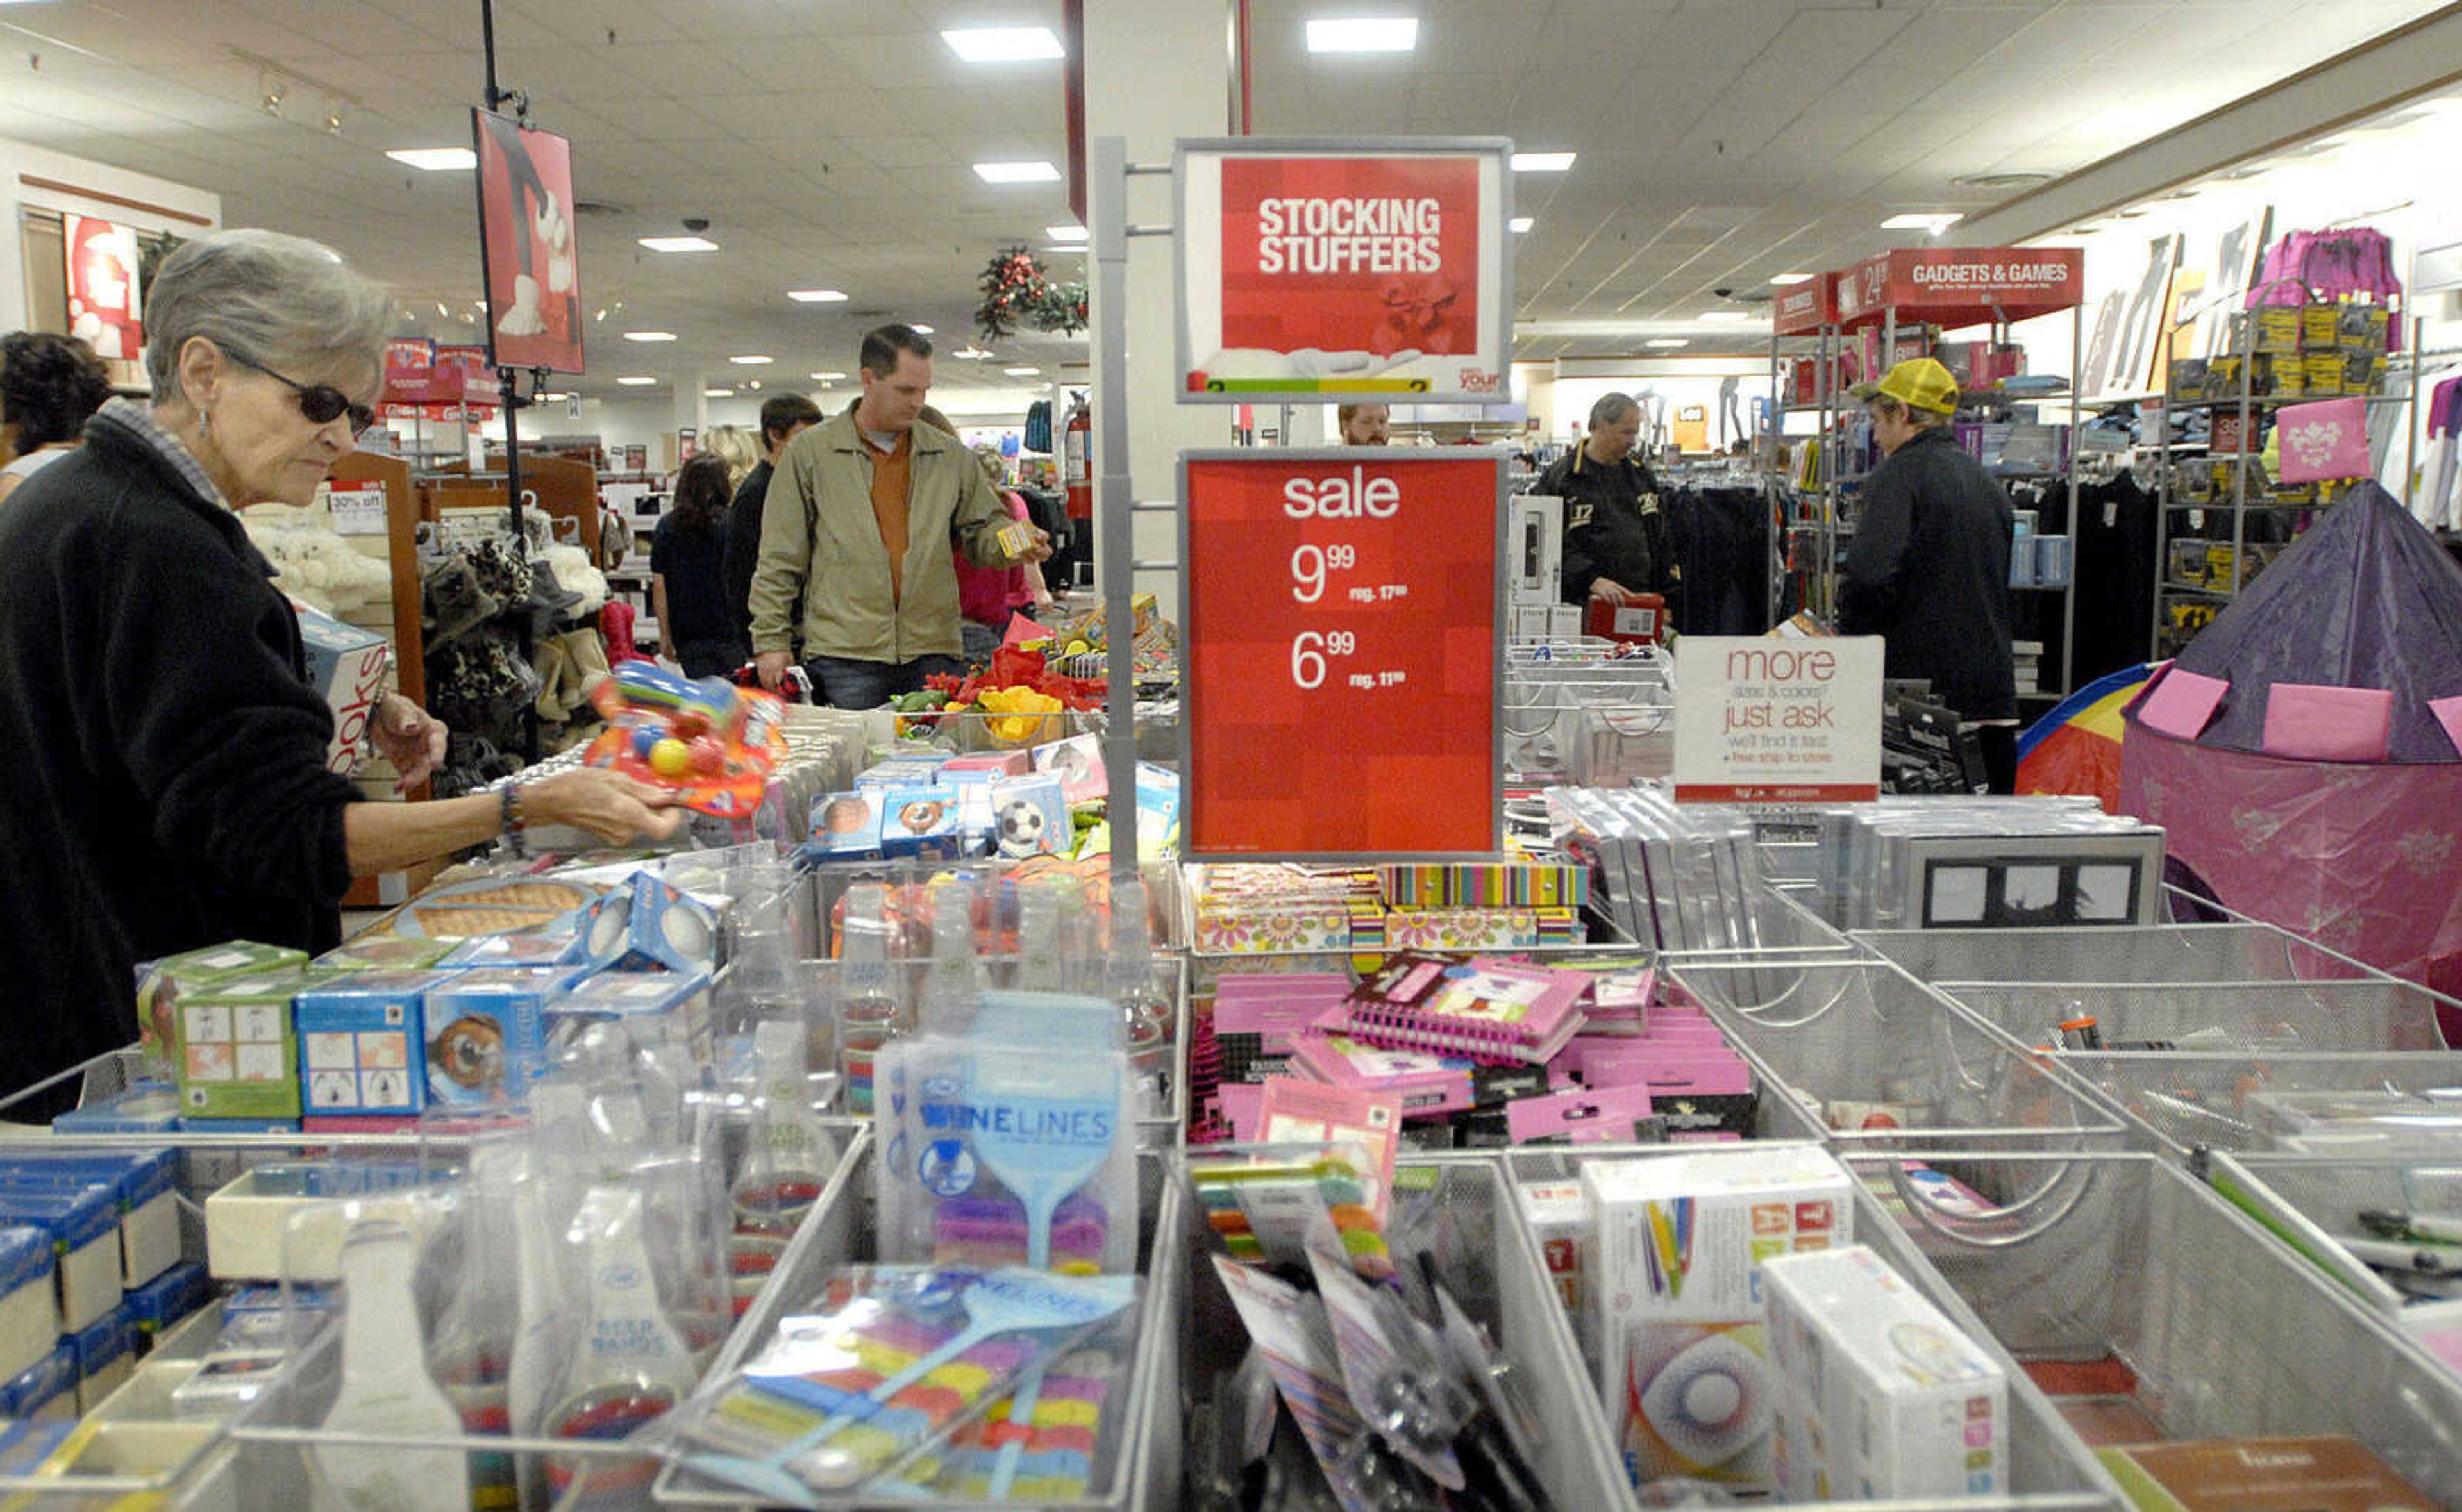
(884, 1374)
(1259, 1203)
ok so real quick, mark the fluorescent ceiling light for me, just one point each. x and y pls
(1065, 233)
(1021, 372)
(1521, 223)
(1790, 280)
(679, 243)
(1664, 342)
(1725, 318)
(649, 336)
(1934, 222)
(817, 296)
(637, 381)
(920, 329)
(1035, 172)
(751, 359)
(829, 377)
(1542, 162)
(973, 354)
(717, 393)
(435, 160)
(1003, 44)
(1363, 34)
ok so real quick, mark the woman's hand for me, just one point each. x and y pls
(615, 807)
(408, 737)
(1608, 589)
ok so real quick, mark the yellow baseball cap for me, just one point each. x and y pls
(1919, 384)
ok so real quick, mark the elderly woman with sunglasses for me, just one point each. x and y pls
(165, 753)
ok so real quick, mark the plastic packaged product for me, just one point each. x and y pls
(1145, 1009)
(1015, 1143)
(955, 989)
(516, 950)
(649, 926)
(631, 1364)
(671, 1005)
(1260, 1204)
(892, 1362)
(386, 1389)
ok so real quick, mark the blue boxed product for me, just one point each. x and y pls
(363, 1042)
(1030, 816)
(919, 822)
(29, 1308)
(84, 1226)
(140, 1108)
(239, 1125)
(679, 1000)
(46, 1389)
(847, 825)
(486, 1033)
(649, 926)
(142, 1182)
(103, 1357)
(901, 772)
(154, 1306)
(559, 948)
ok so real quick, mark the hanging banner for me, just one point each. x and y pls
(526, 244)
(410, 370)
(1804, 309)
(1962, 286)
(1341, 615)
(102, 287)
(1764, 720)
(1326, 269)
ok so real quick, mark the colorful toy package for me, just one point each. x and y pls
(712, 744)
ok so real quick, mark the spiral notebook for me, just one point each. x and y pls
(1492, 1011)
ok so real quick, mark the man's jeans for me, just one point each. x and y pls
(844, 683)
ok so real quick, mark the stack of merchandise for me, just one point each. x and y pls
(923, 803)
(1521, 903)
(1079, 646)
(1675, 877)
(1986, 863)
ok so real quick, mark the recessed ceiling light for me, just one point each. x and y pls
(717, 393)
(1934, 222)
(754, 386)
(920, 329)
(816, 296)
(1725, 318)
(1663, 342)
(972, 353)
(1542, 162)
(1065, 233)
(1521, 223)
(637, 381)
(1021, 372)
(1035, 172)
(1003, 44)
(753, 359)
(1363, 34)
(1790, 280)
(649, 336)
(679, 243)
(829, 377)
(435, 160)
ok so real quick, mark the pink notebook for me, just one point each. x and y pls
(1609, 1115)
(1429, 1085)
(1490, 1010)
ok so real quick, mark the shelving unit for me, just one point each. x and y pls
(1804, 325)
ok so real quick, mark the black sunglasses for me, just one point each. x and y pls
(321, 403)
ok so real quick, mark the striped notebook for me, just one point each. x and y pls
(1493, 1011)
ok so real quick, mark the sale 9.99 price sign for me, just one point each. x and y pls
(1341, 677)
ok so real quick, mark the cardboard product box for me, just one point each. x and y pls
(1882, 1397)
(1535, 548)
(238, 1057)
(486, 1033)
(847, 825)
(649, 926)
(363, 1042)
(1030, 816)
(920, 823)
(380, 953)
(1559, 1217)
(30, 1303)
(157, 1032)
(499, 952)
(2327, 1473)
(352, 668)
(1671, 1274)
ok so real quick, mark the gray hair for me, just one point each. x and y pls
(283, 301)
(1611, 408)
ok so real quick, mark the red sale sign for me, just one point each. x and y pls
(1324, 270)
(1341, 617)
(102, 287)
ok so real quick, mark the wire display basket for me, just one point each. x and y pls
(1587, 712)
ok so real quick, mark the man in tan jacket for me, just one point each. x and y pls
(861, 514)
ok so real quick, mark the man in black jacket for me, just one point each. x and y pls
(1617, 542)
(1929, 569)
(782, 417)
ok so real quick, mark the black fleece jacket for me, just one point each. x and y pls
(1929, 571)
(165, 752)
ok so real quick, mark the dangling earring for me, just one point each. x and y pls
(205, 424)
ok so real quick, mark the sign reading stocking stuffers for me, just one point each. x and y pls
(1341, 615)
(1327, 271)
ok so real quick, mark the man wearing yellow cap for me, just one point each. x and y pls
(1928, 568)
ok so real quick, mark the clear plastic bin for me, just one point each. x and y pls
(2049, 1467)
(2214, 953)
(1861, 1043)
(2177, 1313)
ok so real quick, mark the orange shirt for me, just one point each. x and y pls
(892, 475)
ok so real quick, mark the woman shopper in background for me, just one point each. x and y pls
(989, 596)
(688, 572)
(49, 384)
(169, 788)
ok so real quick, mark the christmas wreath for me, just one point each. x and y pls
(1018, 292)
